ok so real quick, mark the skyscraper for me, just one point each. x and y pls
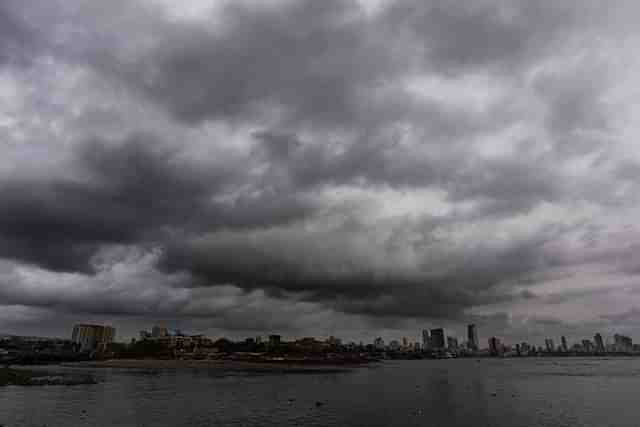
(565, 348)
(452, 343)
(599, 343)
(274, 340)
(495, 347)
(159, 331)
(378, 343)
(622, 343)
(426, 340)
(587, 346)
(92, 337)
(548, 342)
(437, 338)
(472, 336)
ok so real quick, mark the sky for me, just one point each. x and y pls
(354, 168)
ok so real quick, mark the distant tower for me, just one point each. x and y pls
(426, 340)
(274, 340)
(437, 338)
(452, 343)
(378, 343)
(495, 347)
(565, 348)
(599, 343)
(159, 331)
(472, 336)
(549, 344)
(92, 337)
(622, 343)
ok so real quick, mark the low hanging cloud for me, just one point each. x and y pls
(310, 165)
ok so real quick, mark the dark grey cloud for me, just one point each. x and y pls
(415, 162)
(457, 36)
(310, 59)
(631, 316)
(329, 268)
(18, 40)
(318, 62)
(132, 191)
(501, 186)
(114, 204)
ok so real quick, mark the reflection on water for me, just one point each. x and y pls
(490, 392)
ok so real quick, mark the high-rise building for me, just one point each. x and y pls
(548, 342)
(599, 343)
(426, 340)
(452, 343)
(495, 346)
(159, 332)
(92, 337)
(563, 340)
(472, 336)
(587, 346)
(622, 344)
(378, 343)
(437, 338)
(274, 340)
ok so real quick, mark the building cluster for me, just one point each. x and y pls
(31, 348)
(165, 343)
(174, 338)
(90, 340)
(434, 342)
(621, 345)
(86, 341)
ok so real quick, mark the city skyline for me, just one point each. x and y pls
(461, 334)
(165, 342)
(433, 339)
(353, 168)
(94, 337)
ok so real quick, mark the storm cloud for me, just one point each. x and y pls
(319, 167)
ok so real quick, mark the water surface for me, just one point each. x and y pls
(466, 392)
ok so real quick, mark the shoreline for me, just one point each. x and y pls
(28, 377)
(223, 365)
